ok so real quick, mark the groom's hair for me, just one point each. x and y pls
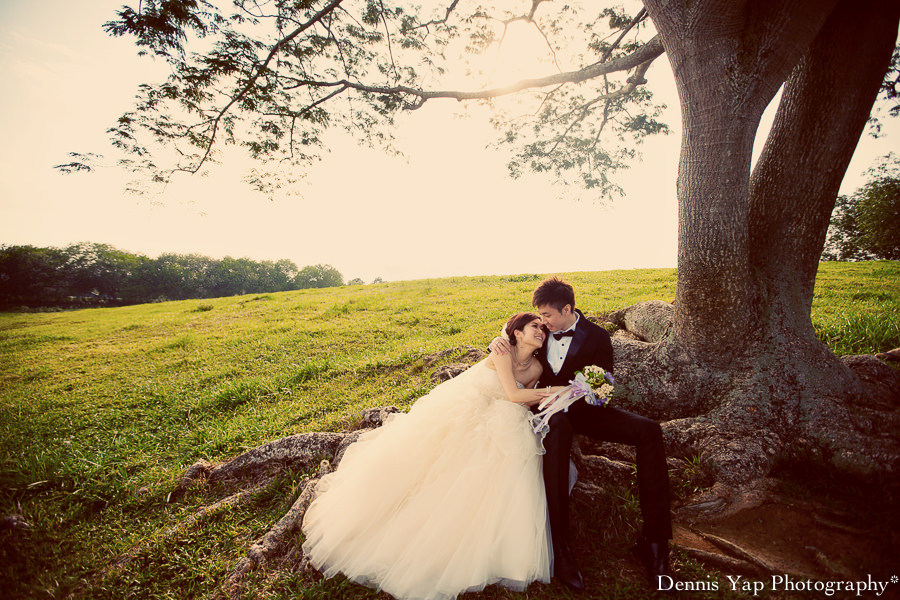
(555, 292)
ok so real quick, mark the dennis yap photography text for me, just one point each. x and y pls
(778, 583)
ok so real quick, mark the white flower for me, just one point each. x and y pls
(605, 391)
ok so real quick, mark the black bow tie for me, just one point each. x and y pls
(562, 334)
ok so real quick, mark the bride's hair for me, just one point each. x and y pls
(518, 323)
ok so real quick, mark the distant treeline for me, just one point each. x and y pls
(89, 274)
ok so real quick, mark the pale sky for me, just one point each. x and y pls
(448, 209)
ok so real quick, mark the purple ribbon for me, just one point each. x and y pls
(561, 401)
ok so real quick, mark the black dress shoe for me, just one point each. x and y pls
(655, 557)
(565, 569)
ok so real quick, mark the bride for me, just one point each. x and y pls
(449, 497)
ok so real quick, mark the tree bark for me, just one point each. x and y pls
(741, 370)
(822, 114)
(729, 59)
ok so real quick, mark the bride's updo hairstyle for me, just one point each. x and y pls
(518, 323)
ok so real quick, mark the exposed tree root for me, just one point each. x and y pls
(737, 551)
(301, 450)
(715, 560)
(194, 520)
(296, 451)
(275, 543)
(723, 500)
(842, 414)
(832, 524)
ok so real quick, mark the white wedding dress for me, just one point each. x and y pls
(445, 499)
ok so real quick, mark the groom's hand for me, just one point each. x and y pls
(500, 346)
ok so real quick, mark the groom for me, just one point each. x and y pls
(573, 344)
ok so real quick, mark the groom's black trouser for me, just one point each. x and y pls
(611, 425)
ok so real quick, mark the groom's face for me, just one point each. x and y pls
(555, 320)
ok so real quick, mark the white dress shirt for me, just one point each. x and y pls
(558, 348)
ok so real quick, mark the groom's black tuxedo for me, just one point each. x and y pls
(591, 345)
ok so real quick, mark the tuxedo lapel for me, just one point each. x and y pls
(542, 356)
(577, 342)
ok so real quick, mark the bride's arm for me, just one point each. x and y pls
(504, 366)
(549, 390)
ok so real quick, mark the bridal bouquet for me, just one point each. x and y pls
(593, 383)
(600, 382)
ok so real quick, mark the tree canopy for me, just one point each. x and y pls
(866, 224)
(319, 276)
(91, 274)
(272, 77)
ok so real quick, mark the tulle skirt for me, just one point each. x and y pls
(445, 499)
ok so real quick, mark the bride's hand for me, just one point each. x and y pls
(537, 396)
(500, 347)
(549, 392)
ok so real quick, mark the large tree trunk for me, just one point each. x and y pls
(823, 111)
(729, 60)
(821, 116)
(742, 357)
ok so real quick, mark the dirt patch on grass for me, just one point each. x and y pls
(804, 540)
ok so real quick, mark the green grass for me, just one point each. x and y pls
(856, 307)
(102, 410)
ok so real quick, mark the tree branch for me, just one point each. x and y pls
(387, 39)
(640, 58)
(245, 75)
(637, 19)
(259, 70)
(447, 14)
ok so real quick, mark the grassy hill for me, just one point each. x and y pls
(102, 410)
